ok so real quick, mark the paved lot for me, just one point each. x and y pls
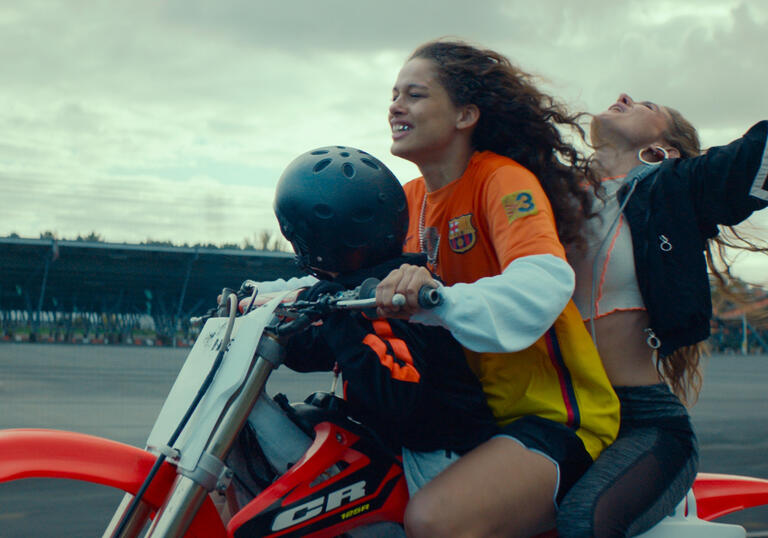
(116, 392)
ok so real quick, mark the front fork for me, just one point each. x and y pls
(191, 487)
(135, 523)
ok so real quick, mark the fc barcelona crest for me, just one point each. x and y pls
(461, 233)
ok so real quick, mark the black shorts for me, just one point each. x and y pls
(556, 442)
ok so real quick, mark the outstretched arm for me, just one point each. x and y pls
(729, 182)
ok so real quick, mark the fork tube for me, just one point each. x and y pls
(175, 516)
(179, 509)
(236, 415)
(135, 524)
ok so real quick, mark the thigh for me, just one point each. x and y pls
(499, 489)
(633, 484)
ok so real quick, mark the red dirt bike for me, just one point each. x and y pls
(302, 469)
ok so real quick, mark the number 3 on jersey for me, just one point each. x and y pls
(519, 204)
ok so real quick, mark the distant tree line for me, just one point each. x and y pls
(739, 298)
(263, 240)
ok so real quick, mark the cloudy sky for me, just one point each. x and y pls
(172, 119)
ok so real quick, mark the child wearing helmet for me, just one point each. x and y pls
(346, 216)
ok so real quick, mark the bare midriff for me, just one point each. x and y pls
(621, 341)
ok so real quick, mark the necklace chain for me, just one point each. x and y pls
(430, 252)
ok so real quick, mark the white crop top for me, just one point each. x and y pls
(605, 272)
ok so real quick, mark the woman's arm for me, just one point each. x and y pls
(729, 182)
(509, 311)
(502, 313)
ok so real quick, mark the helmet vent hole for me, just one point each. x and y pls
(348, 170)
(319, 167)
(344, 154)
(319, 152)
(323, 211)
(370, 163)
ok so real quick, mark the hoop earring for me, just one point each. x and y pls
(655, 163)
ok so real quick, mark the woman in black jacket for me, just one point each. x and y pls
(642, 287)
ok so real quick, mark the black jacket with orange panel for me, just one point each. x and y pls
(408, 382)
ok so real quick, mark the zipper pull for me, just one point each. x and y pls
(664, 243)
(652, 340)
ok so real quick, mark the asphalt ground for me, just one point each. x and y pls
(116, 391)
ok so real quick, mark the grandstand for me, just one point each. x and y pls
(92, 291)
(742, 327)
(53, 290)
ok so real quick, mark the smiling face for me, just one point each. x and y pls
(424, 121)
(629, 124)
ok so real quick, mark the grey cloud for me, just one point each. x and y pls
(198, 54)
(121, 102)
(710, 68)
(338, 24)
(133, 209)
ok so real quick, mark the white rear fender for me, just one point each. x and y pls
(685, 523)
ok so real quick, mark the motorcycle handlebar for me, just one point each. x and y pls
(362, 298)
(429, 297)
(308, 312)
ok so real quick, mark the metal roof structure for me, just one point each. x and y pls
(66, 276)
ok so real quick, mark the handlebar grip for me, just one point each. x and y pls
(429, 297)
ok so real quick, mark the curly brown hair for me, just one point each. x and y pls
(518, 121)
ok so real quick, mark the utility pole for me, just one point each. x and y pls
(744, 343)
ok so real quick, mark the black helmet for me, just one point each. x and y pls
(341, 209)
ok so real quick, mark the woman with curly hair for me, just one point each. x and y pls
(642, 285)
(500, 193)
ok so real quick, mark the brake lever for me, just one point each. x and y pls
(300, 323)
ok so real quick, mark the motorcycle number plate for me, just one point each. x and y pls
(242, 347)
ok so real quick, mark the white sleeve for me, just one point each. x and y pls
(271, 286)
(506, 312)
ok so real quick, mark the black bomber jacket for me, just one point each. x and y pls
(672, 210)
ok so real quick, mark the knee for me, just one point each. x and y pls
(423, 519)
